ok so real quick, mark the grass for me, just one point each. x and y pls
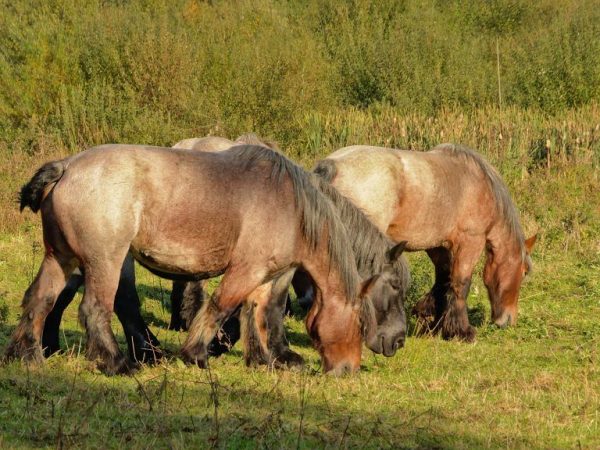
(533, 386)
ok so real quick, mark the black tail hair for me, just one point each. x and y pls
(31, 194)
(326, 170)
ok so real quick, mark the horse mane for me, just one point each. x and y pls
(316, 210)
(369, 245)
(504, 203)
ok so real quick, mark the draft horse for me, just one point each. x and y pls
(190, 215)
(141, 342)
(451, 203)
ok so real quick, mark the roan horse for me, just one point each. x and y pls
(132, 203)
(141, 342)
(376, 257)
(451, 203)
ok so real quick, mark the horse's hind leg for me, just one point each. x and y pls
(455, 320)
(101, 282)
(141, 342)
(50, 338)
(430, 308)
(37, 304)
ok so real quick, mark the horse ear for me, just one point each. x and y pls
(394, 253)
(367, 285)
(530, 242)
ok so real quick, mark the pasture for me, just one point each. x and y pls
(72, 84)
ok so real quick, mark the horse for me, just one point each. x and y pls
(451, 203)
(131, 203)
(264, 338)
(142, 344)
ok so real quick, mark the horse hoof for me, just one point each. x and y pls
(466, 335)
(118, 366)
(289, 360)
(194, 360)
(31, 354)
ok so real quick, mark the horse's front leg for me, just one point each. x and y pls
(269, 312)
(141, 342)
(431, 307)
(235, 287)
(455, 320)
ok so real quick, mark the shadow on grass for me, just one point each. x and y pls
(64, 405)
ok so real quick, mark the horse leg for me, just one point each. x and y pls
(235, 286)
(274, 312)
(101, 283)
(50, 337)
(141, 342)
(191, 302)
(430, 308)
(304, 288)
(37, 303)
(176, 303)
(255, 351)
(227, 336)
(269, 310)
(455, 320)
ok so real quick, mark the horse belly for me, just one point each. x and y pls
(182, 251)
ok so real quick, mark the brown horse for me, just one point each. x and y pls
(451, 203)
(376, 257)
(141, 342)
(219, 220)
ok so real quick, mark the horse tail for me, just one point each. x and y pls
(33, 193)
(326, 170)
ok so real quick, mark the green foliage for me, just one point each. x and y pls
(74, 74)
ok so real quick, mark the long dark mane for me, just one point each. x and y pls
(316, 210)
(504, 203)
(369, 245)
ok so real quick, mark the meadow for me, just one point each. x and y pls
(519, 82)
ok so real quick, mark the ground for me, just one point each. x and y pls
(536, 385)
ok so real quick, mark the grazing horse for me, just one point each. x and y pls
(141, 342)
(454, 205)
(104, 202)
(376, 258)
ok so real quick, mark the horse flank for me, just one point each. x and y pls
(316, 210)
(505, 206)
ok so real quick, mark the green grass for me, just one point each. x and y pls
(533, 386)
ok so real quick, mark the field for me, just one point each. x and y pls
(316, 76)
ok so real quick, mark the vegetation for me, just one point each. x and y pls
(518, 81)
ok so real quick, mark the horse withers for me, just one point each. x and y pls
(454, 205)
(190, 215)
